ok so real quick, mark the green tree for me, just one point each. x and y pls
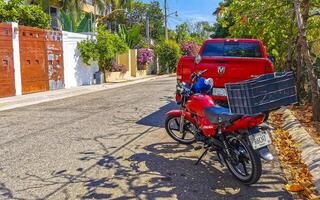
(83, 25)
(131, 36)
(224, 20)
(202, 29)
(28, 15)
(276, 24)
(183, 33)
(156, 18)
(169, 53)
(103, 50)
(71, 17)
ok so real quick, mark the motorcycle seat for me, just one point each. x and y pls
(215, 112)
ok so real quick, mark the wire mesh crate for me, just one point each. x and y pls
(265, 93)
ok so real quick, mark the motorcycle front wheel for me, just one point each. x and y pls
(172, 125)
(245, 163)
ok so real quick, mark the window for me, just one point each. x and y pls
(54, 18)
(90, 2)
(232, 49)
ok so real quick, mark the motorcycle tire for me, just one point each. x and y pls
(256, 166)
(174, 136)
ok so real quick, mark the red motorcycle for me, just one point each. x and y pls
(239, 141)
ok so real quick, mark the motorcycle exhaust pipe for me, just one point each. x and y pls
(265, 154)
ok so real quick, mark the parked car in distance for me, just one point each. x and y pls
(227, 61)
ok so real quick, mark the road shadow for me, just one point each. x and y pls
(157, 118)
(179, 177)
(162, 170)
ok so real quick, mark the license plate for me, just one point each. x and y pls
(259, 140)
(219, 92)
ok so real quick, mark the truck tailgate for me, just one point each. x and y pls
(232, 69)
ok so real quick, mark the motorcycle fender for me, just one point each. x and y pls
(265, 154)
(178, 113)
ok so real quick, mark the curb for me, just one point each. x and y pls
(10, 103)
(310, 151)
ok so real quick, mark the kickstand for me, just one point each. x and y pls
(220, 159)
(204, 153)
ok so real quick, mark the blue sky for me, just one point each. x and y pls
(190, 10)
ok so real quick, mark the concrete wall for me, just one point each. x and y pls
(124, 59)
(133, 61)
(16, 58)
(76, 73)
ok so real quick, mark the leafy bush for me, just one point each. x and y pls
(145, 56)
(104, 49)
(28, 15)
(189, 48)
(169, 54)
(88, 51)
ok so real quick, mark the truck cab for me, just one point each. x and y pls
(227, 61)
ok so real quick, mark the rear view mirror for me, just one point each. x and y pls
(272, 59)
(197, 60)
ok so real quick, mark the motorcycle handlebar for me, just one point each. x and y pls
(183, 90)
(195, 75)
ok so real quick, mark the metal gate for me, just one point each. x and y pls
(33, 57)
(55, 59)
(7, 83)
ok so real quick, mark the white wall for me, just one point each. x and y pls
(16, 58)
(76, 73)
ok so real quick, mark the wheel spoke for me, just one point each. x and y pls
(184, 134)
(177, 123)
(244, 167)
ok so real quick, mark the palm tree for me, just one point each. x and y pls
(119, 4)
(73, 8)
(115, 8)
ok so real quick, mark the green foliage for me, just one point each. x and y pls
(156, 18)
(133, 13)
(88, 51)
(68, 24)
(168, 53)
(197, 32)
(182, 31)
(273, 22)
(104, 49)
(202, 29)
(28, 15)
(132, 36)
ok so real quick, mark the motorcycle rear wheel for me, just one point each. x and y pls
(248, 160)
(172, 125)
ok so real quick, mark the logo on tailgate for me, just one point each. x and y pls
(221, 69)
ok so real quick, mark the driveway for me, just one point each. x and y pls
(111, 145)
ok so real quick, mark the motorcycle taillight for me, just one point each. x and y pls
(254, 121)
(178, 98)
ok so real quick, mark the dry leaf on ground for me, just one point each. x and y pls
(294, 187)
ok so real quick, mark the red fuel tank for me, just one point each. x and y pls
(198, 102)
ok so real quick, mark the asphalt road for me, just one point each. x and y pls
(112, 145)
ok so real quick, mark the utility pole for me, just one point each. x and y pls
(148, 29)
(166, 19)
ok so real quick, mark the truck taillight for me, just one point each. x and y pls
(268, 69)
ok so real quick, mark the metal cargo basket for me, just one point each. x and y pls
(264, 93)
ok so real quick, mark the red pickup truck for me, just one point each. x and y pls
(227, 60)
